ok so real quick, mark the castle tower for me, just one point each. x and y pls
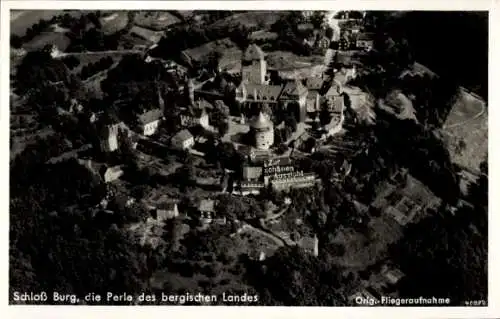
(263, 131)
(253, 65)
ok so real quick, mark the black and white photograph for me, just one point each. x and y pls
(331, 158)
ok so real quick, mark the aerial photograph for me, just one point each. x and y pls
(248, 158)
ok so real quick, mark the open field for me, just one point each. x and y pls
(21, 20)
(155, 20)
(150, 36)
(363, 250)
(48, 38)
(231, 54)
(114, 22)
(87, 58)
(281, 60)
(251, 19)
(467, 122)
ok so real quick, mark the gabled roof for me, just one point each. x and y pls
(305, 26)
(168, 206)
(253, 52)
(308, 243)
(365, 36)
(252, 172)
(334, 90)
(292, 89)
(314, 83)
(264, 92)
(150, 116)
(182, 136)
(207, 205)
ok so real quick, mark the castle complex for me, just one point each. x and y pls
(255, 90)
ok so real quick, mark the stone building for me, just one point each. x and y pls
(255, 91)
(263, 131)
(253, 65)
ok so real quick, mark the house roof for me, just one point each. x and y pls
(365, 36)
(308, 242)
(314, 83)
(334, 90)
(207, 205)
(169, 206)
(261, 121)
(253, 52)
(293, 88)
(305, 26)
(263, 35)
(150, 116)
(182, 136)
(252, 172)
(344, 59)
(263, 92)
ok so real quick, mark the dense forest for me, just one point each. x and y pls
(452, 44)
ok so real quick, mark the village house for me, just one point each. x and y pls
(252, 173)
(309, 244)
(110, 174)
(282, 182)
(166, 210)
(150, 121)
(323, 43)
(194, 118)
(182, 140)
(364, 41)
(206, 209)
(393, 276)
(344, 43)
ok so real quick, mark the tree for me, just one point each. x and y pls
(16, 41)
(329, 32)
(291, 122)
(223, 128)
(317, 19)
(214, 58)
(451, 256)
(325, 117)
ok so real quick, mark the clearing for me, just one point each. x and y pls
(466, 131)
(231, 54)
(260, 19)
(48, 38)
(155, 20)
(113, 22)
(281, 60)
(21, 20)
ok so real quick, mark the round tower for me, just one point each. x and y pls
(263, 131)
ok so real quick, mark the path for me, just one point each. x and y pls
(280, 242)
(76, 54)
(479, 114)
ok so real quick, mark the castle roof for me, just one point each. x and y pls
(263, 92)
(261, 121)
(182, 136)
(365, 36)
(253, 52)
(314, 83)
(294, 88)
(334, 90)
(150, 116)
